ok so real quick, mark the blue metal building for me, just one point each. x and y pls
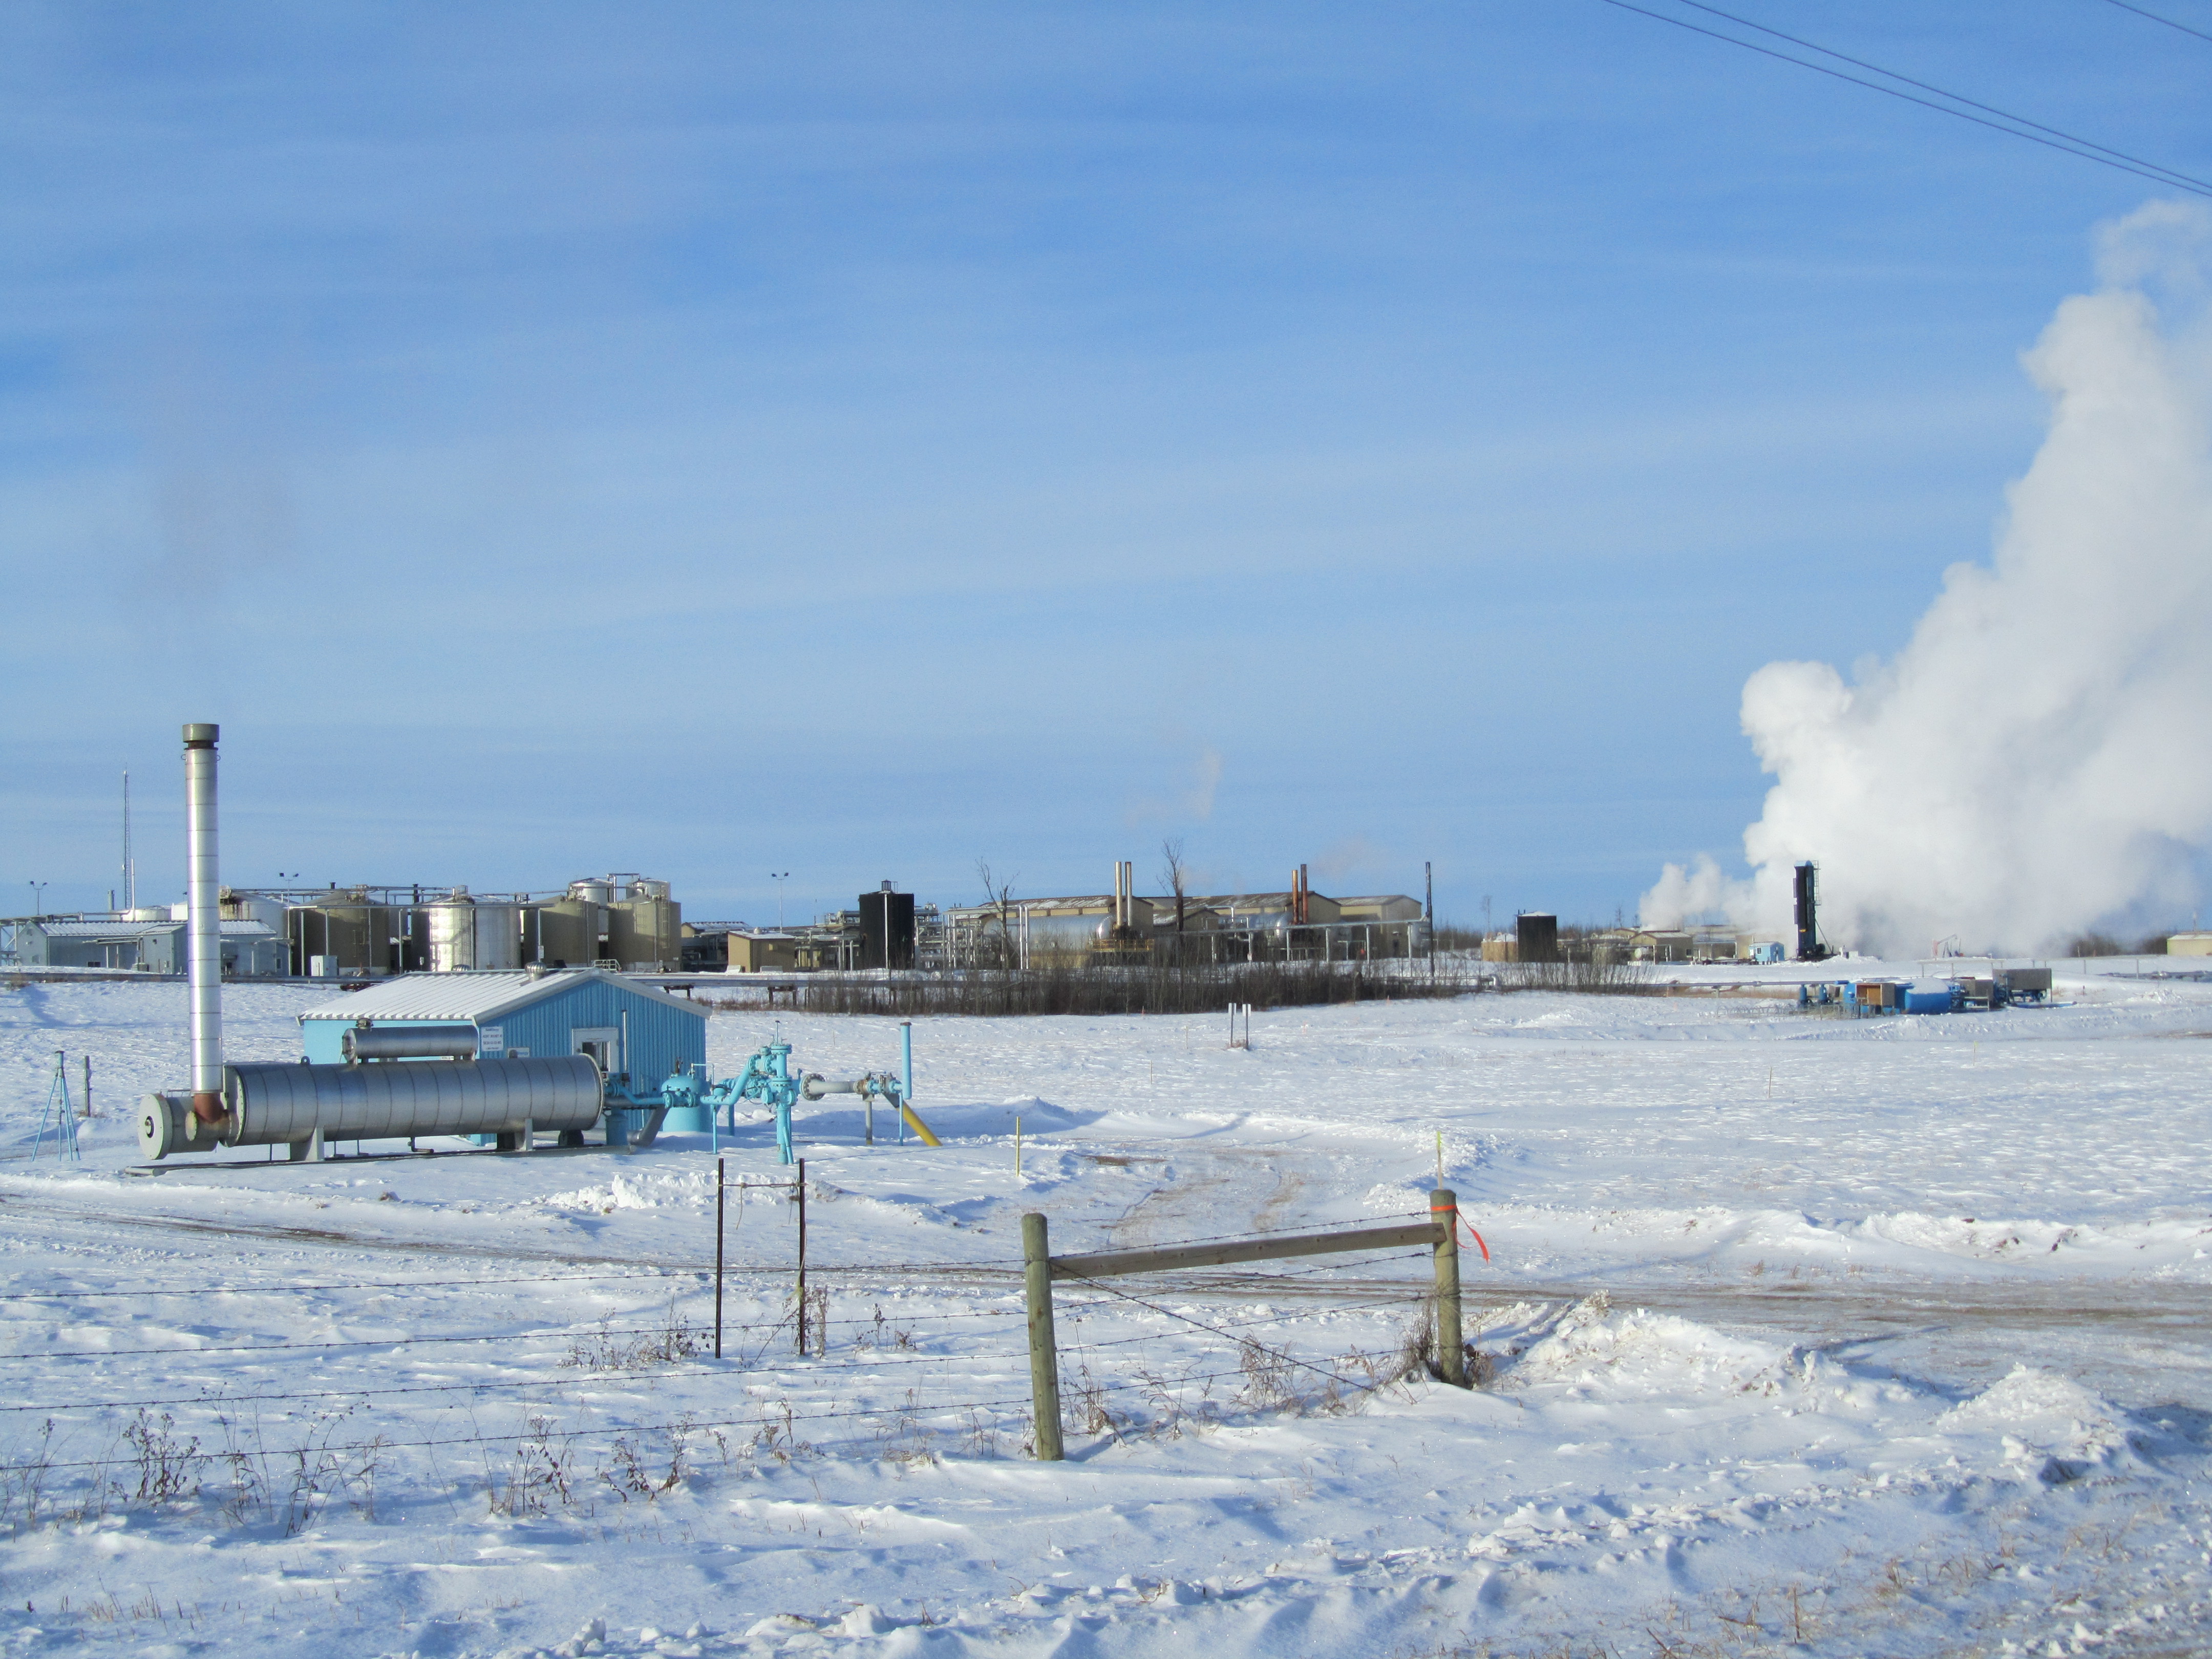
(640, 1036)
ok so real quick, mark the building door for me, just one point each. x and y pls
(603, 1044)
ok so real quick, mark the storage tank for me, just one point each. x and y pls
(149, 913)
(358, 933)
(1538, 932)
(249, 907)
(467, 933)
(646, 933)
(590, 890)
(567, 932)
(452, 926)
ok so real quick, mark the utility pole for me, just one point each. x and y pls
(779, 876)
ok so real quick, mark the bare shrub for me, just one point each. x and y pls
(322, 1467)
(634, 1466)
(1417, 1349)
(777, 1436)
(1582, 977)
(168, 1464)
(1159, 985)
(1088, 1396)
(982, 1437)
(23, 1483)
(903, 1440)
(1267, 1375)
(538, 1474)
(608, 1349)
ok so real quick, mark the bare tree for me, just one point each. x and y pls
(1000, 896)
(1175, 874)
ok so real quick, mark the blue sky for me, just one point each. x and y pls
(861, 439)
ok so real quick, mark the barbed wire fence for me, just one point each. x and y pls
(585, 1431)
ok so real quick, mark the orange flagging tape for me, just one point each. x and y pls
(1476, 1237)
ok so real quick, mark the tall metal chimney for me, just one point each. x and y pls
(204, 892)
(1809, 948)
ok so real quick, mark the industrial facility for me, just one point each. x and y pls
(624, 923)
(1294, 924)
(497, 1054)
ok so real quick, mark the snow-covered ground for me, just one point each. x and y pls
(1810, 1336)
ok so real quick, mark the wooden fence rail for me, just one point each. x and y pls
(1039, 1268)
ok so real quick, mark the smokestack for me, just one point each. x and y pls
(1808, 914)
(204, 930)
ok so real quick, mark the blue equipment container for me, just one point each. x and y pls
(1936, 999)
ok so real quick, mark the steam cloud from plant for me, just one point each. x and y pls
(2038, 758)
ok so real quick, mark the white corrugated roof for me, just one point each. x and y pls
(140, 929)
(472, 997)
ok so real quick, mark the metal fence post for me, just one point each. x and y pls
(722, 1188)
(1451, 1357)
(800, 1187)
(1044, 1358)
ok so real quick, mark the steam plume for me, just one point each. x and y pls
(2039, 757)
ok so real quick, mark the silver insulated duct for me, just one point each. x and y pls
(204, 893)
(408, 1042)
(277, 1104)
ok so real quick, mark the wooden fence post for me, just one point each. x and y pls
(1044, 1356)
(1451, 1357)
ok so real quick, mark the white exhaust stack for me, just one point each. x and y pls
(204, 963)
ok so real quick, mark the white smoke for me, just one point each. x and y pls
(2039, 757)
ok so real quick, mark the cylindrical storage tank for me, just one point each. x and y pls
(248, 907)
(409, 1042)
(273, 1105)
(1539, 934)
(649, 888)
(566, 932)
(591, 891)
(1931, 999)
(151, 912)
(499, 936)
(645, 934)
(452, 929)
(354, 930)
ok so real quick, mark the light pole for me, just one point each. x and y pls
(779, 876)
(38, 897)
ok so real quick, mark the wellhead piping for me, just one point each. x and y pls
(204, 895)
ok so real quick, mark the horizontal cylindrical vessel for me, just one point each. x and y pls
(409, 1042)
(269, 1105)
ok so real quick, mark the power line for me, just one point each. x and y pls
(2064, 141)
(2182, 178)
(2155, 18)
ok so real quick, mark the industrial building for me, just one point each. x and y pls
(629, 923)
(137, 942)
(637, 1035)
(1294, 923)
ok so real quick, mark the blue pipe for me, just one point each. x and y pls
(906, 1074)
